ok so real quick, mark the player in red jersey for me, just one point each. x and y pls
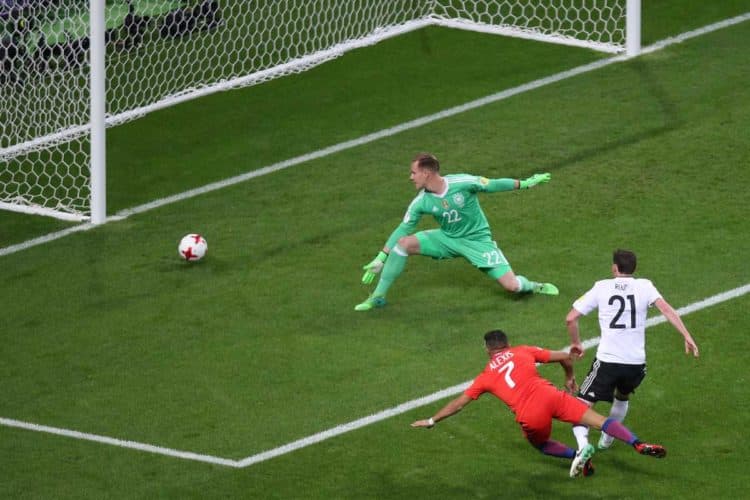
(512, 377)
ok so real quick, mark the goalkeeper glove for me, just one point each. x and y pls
(533, 181)
(374, 268)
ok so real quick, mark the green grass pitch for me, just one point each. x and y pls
(107, 332)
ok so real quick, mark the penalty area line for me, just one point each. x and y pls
(457, 389)
(339, 429)
(160, 450)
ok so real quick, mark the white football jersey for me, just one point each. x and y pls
(623, 305)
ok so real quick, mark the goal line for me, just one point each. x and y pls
(377, 135)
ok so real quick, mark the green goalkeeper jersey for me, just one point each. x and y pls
(456, 210)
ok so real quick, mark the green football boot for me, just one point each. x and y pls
(547, 289)
(371, 303)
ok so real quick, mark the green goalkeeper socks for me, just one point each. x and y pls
(526, 284)
(392, 269)
(535, 287)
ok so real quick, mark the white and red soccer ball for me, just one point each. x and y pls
(192, 247)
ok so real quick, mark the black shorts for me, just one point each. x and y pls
(603, 378)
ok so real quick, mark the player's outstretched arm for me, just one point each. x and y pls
(499, 185)
(566, 361)
(571, 323)
(446, 411)
(668, 311)
(374, 267)
(534, 180)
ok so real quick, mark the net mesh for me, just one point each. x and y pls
(160, 52)
(595, 21)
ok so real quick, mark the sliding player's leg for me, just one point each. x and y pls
(537, 428)
(618, 411)
(536, 422)
(619, 431)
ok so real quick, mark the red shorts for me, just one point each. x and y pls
(548, 403)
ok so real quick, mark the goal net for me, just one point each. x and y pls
(595, 24)
(162, 52)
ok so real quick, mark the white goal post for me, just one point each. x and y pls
(71, 68)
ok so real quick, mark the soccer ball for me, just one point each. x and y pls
(192, 247)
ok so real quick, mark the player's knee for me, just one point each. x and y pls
(620, 396)
(410, 244)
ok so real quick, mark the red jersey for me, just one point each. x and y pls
(512, 377)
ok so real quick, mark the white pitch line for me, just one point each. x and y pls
(44, 239)
(709, 28)
(408, 406)
(339, 429)
(160, 450)
(457, 389)
(342, 146)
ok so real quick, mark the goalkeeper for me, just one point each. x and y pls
(464, 231)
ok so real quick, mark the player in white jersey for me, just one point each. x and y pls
(620, 363)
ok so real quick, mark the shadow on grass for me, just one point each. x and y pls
(669, 110)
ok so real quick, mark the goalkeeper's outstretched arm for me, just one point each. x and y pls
(534, 180)
(498, 185)
(374, 267)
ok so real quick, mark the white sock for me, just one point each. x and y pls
(619, 410)
(581, 433)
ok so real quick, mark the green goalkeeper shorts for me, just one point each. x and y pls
(483, 253)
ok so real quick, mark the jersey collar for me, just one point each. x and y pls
(443, 192)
